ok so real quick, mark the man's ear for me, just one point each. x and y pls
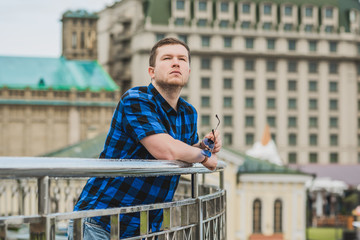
(151, 72)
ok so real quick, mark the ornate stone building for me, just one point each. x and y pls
(49, 103)
(293, 65)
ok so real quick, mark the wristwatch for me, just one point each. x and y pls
(206, 154)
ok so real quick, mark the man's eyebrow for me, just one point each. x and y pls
(171, 55)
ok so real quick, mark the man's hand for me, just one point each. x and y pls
(211, 163)
(218, 142)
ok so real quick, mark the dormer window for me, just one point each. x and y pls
(329, 12)
(202, 6)
(288, 10)
(224, 7)
(308, 11)
(246, 8)
(267, 9)
(180, 4)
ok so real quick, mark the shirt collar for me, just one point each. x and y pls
(164, 104)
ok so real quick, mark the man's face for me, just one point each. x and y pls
(171, 66)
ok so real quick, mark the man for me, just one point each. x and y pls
(150, 122)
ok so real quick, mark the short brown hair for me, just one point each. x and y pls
(162, 42)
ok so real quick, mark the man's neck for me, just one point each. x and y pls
(170, 93)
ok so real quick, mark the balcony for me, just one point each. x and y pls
(197, 212)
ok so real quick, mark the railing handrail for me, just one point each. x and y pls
(19, 167)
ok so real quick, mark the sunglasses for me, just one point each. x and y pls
(208, 142)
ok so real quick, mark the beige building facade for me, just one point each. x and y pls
(292, 65)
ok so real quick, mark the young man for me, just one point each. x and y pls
(150, 122)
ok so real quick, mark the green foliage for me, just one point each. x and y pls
(324, 233)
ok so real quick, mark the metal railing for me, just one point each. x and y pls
(200, 215)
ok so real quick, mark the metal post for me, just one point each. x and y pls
(43, 195)
(3, 231)
(144, 222)
(194, 185)
(115, 227)
(221, 176)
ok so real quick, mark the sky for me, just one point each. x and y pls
(33, 27)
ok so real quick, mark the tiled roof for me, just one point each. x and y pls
(56, 73)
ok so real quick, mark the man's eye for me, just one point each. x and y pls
(166, 58)
(183, 59)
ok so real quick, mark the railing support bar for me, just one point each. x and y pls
(43, 195)
(222, 183)
(194, 185)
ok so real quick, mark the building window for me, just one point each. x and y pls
(249, 84)
(205, 120)
(292, 158)
(202, 22)
(292, 45)
(329, 12)
(313, 122)
(228, 139)
(292, 103)
(270, 66)
(313, 158)
(288, 27)
(227, 42)
(334, 158)
(228, 83)
(179, 21)
(205, 101)
(249, 121)
(292, 139)
(249, 139)
(313, 86)
(271, 44)
(249, 65)
(245, 25)
(292, 66)
(205, 41)
(271, 120)
(288, 10)
(292, 85)
(332, 46)
(224, 24)
(227, 64)
(159, 36)
(313, 67)
(228, 120)
(202, 5)
(278, 216)
(249, 102)
(312, 46)
(249, 43)
(74, 40)
(292, 122)
(183, 37)
(271, 103)
(271, 85)
(224, 7)
(267, 9)
(180, 4)
(257, 216)
(309, 28)
(312, 104)
(205, 63)
(205, 82)
(227, 102)
(308, 11)
(333, 67)
(246, 8)
(82, 40)
(313, 139)
(333, 122)
(333, 140)
(333, 104)
(333, 86)
(267, 26)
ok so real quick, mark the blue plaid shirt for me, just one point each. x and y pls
(141, 112)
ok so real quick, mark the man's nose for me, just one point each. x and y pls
(175, 62)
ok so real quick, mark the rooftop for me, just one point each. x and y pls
(81, 13)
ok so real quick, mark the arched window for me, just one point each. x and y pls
(277, 216)
(257, 216)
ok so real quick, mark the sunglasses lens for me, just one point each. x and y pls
(209, 143)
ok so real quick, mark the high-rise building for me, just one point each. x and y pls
(293, 65)
(79, 35)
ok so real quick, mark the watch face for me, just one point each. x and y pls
(206, 153)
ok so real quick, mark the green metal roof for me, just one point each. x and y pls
(56, 73)
(90, 148)
(80, 14)
(253, 165)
